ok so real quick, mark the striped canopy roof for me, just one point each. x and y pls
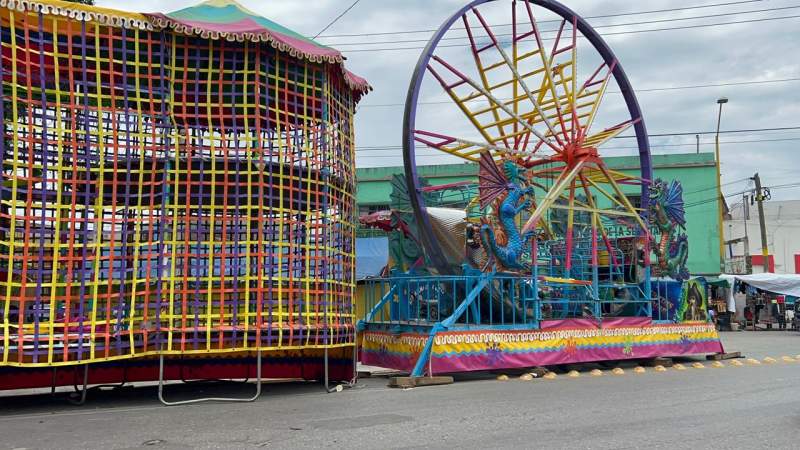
(230, 20)
(214, 19)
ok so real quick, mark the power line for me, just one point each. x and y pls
(685, 8)
(685, 27)
(337, 18)
(755, 130)
(657, 89)
(361, 150)
(714, 187)
(646, 22)
(713, 199)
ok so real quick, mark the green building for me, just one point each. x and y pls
(695, 171)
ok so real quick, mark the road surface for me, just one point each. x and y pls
(752, 406)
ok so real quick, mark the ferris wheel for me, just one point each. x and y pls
(525, 84)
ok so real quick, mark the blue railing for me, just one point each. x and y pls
(500, 301)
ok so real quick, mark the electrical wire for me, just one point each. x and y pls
(646, 22)
(336, 19)
(618, 33)
(685, 8)
(752, 141)
(657, 89)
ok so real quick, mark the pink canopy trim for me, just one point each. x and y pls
(226, 19)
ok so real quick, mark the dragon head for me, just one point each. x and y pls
(513, 173)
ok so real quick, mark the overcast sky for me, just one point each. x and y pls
(746, 52)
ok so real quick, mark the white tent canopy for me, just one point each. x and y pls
(772, 282)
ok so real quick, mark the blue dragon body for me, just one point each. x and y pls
(509, 255)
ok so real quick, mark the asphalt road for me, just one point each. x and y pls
(732, 407)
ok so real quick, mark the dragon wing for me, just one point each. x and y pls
(492, 182)
(673, 203)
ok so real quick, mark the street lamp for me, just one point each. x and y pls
(721, 101)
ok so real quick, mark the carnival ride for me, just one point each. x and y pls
(177, 197)
(516, 268)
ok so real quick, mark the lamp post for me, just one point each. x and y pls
(720, 214)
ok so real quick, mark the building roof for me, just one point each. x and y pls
(678, 160)
(467, 171)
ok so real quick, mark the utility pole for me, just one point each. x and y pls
(760, 199)
(748, 261)
(721, 198)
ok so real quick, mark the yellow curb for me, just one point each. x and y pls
(639, 369)
(788, 359)
(526, 377)
(502, 378)
(550, 376)
(679, 366)
(596, 373)
(660, 368)
(736, 362)
(769, 360)
(753, 361)
(717, 364)
(698, 365)
(618, 371)
(573, 374)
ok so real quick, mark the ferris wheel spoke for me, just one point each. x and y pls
(598, 139)
(482, 70)
(468, 149)
(512, 64)
(623, 198)
(570, 224)
(597, 224)
(599, 84)
(563, 180)
(462, 80)
(547, 83)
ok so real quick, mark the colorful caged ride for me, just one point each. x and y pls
(173, 185)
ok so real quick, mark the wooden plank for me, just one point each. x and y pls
(723, 356)
(410, 382)
(666, 362)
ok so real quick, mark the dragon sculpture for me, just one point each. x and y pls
(493, 184)
(399, 223)
(668, 215)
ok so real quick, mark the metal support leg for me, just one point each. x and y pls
(53, 383)
(82, 392)
(340, 387)
(208, 399)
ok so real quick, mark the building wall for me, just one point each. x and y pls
(696, 172)
(782, 220)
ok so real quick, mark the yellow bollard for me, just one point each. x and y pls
(717, 364)
(618, 371)
(679, 366)
(502, 377)
(639, 369)
(550, 376)
(736, 362)
(596, 373)
(573, 374)
(769, 360)
(788, 359)
(753, 361)
(660, 368)
(698, 365)
(526, 377)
